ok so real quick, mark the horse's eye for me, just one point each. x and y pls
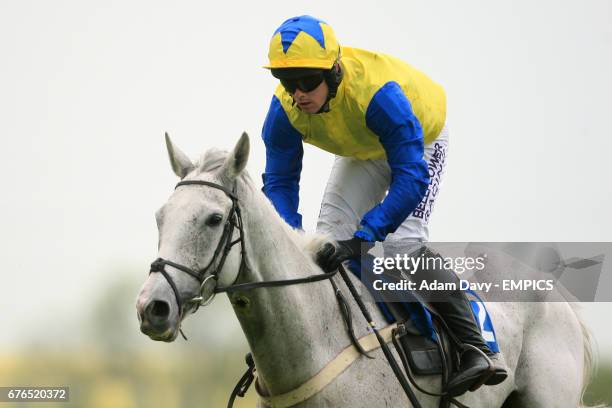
(214, 219)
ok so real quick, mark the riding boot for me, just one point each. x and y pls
(478, 364)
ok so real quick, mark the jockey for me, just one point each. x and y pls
(385, 123)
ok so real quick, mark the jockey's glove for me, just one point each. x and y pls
(330, 256)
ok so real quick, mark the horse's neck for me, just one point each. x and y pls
(293, 331)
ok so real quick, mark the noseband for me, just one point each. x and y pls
(209, 275)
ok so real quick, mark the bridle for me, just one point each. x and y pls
(208, 276)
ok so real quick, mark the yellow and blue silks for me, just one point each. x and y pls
(384, 108)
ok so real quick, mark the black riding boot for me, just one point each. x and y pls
(453, 306)
(475, 368)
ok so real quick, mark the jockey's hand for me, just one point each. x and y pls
(330, 256)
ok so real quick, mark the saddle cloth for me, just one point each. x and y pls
(421, 340)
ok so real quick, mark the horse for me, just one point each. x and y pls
(295, 332)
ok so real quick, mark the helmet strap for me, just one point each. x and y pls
(333, 78)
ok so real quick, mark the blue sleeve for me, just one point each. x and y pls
(390, 116)
(284, 152)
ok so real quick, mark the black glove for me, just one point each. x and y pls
(329, 257)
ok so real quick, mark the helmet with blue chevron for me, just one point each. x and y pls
(303, 42)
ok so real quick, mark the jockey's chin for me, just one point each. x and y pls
(308, 107)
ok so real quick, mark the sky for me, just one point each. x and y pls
(87, 90)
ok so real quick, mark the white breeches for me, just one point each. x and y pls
(356, 186)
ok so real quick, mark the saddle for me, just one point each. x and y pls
(423, 340)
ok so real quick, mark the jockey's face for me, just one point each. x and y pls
(311, 102)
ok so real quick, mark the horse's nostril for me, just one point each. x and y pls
(158, 310)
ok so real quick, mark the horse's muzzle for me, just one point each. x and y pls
(155, 320)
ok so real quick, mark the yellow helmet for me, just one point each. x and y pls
(303, 42)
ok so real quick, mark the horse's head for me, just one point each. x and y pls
(196, 228)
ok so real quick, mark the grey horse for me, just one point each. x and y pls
(296, 334)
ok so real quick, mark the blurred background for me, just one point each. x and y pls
(87, 90)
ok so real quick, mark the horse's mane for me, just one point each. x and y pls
(213, 159)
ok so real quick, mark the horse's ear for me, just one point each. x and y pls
(181, 164)
(237, 160)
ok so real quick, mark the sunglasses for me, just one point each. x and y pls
(305, 84)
